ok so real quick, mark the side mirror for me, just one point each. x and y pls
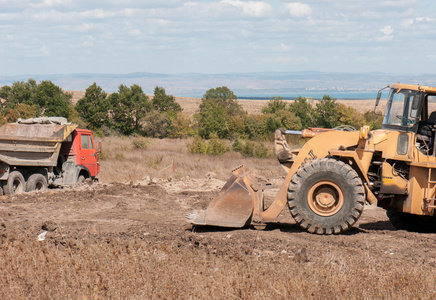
(415, 102)
(377, 100)
(99, 147)
(415, 105)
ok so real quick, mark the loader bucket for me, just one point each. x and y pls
(233, 206)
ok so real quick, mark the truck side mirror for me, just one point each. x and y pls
(99, 147)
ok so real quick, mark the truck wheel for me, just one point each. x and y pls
(80, 179)
(409, 222)
(15, 184)
(36, 182)
(326, 196)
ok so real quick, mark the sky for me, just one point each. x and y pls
(215, 37)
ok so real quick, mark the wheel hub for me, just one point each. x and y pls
(325, 198)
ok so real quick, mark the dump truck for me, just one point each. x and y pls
(45, 152)
(336, 172)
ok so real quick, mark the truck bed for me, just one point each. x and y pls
(32, 144)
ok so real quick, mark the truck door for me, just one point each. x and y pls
(88, 155)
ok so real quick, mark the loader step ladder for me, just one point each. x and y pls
(429, 200)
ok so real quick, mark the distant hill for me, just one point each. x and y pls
(244, 85)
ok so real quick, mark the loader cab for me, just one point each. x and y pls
(411, 109)
(403, 109)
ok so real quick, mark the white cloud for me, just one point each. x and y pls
(298, 9)
(251, 8)
(398, 3)
(51, 3)
(209, 36)
(388, 33)
(428, 19)
(418, 20)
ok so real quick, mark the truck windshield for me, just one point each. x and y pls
(401, 108)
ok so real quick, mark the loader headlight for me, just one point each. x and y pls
(364, 130)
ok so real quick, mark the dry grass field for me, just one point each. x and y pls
(126, 237)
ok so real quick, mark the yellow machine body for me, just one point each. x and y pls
(394, 166)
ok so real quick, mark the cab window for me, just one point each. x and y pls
(86, 142)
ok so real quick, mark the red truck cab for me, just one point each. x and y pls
(78, 158)
(86, 153)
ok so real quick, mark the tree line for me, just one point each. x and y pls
(129, 111)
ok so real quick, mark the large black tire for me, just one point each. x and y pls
(36, 182)
(326, 196)
(409, 222)
(15, 184)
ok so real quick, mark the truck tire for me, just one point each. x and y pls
(15, 184)
(80, 179)
(409, 222)
(36, 182)
(326, 196)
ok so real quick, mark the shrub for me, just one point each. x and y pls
(252, 149)
(217, 146)
(373, 120)
(154, 161)
(119, 156)
(181, 126)
(214, 146)
(255, 126)
(197, 146)
(141, 143)
(103, 155)
(155, 124)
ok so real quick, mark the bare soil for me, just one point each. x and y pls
(151, 214)
(157, 208)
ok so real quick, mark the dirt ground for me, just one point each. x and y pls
(155, 210)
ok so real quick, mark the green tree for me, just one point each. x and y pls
(163, 102)
(181, 126)
(128, 106)
(216, 108)
(53, 100)
(19, 92)
(256, 126)
(24, 111)
(303, 110)
(373, 120)
(275, 104)
(279, 116)
(327, 113)
(94, 107)
(289, 120)
(350, 116)
(272, 123)
(47, 98)
(156, 124)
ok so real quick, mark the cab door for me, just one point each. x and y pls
(87, 153)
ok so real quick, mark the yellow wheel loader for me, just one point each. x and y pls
(331, 177)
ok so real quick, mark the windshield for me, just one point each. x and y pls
(402, 108)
